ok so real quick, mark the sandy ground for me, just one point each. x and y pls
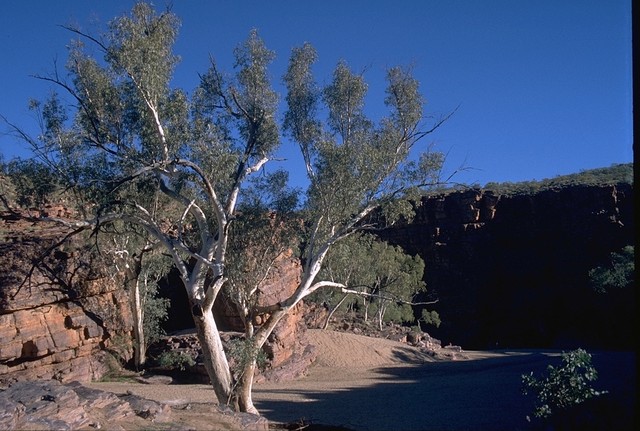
(364, 383)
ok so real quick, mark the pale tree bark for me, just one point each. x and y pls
(333, 310)
(245, 388)
(132, 268)
(137, 306)
(365, 304)
(215, 360)
(381, 310)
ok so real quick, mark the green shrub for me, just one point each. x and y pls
(176, 359)
(619, 274)
(564, 386)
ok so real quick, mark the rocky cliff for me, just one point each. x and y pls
(508, 271)
(59, 314)
(512, 271)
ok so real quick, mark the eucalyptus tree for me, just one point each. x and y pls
(376, 275)
(132, 136)
(361, 173)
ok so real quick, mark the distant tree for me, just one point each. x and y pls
(131, 132)
(380, 276)
(140, 262)
(349, 262)
(397, 283)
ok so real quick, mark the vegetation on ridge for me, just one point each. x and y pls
(614, 174)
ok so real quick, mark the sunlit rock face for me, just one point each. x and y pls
(56, 319)
(512, 271)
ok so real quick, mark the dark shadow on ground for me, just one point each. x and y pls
(484, 394)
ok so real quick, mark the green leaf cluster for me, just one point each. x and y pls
(243, 351)
(354, 163)
(563, 386)
(176, 359)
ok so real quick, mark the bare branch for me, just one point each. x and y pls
(385, 297)
(86, 36)
(439, 123)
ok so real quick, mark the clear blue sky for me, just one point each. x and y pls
(544, 87)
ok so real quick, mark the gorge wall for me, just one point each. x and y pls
(60, 314)
(512, 271)
(508, 272)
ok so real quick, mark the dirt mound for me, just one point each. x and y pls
(341, 349)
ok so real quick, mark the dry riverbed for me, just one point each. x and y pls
(364, 383)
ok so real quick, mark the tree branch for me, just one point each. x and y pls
(86, 36)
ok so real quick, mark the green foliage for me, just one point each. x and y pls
(243, 351)
(152, 268)
(140, 46)
(430, 318)
(617, 173)
(353, 163)
(564, 386)
(618, 274)
(155, 313)
(34, 183)
(176, 359)
(394, 312)
(385, 275)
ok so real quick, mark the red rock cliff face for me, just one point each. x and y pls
(512, 271)
(56, 321)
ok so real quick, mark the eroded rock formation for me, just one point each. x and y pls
(49, 405)
(58, 314)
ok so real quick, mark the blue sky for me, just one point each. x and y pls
(543, 87)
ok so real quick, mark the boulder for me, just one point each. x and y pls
(45, 405)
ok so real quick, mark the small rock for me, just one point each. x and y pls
(155, 380)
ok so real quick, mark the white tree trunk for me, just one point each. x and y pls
(245, 389)
(381, 310)
(215, 359)
(365, 304)
(138, 326)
